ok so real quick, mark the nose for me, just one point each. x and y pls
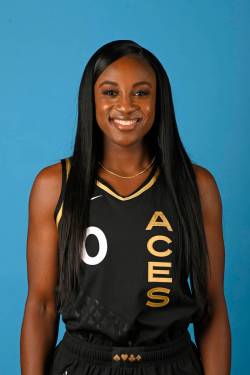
(126, 104)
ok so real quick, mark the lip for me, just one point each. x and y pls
(124, 118)
(124, 127)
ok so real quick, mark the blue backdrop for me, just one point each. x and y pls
(203, 45)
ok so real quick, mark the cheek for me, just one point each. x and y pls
(149, 110)
(101, 110)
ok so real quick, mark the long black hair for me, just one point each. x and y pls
(175, 164)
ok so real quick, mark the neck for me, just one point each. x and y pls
(126, 160)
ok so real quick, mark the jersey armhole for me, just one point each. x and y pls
(65, 164)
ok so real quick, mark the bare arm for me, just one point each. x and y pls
(40, 322)
(213, 335)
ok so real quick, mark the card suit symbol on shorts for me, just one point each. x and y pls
(138, 357)
(116, 357)
(124, 356)
(131, 358)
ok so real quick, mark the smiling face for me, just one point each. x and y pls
(125, 96)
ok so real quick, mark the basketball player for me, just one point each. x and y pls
(125, 237)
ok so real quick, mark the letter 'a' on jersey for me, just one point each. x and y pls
(129, 291)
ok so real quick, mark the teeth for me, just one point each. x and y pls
(123, 122)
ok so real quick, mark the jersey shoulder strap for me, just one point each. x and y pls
(65, 165)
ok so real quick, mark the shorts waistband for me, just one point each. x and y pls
(127, 354)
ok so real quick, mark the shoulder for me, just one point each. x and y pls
(205, 179)
(46, 187)
(208, 189)
(48, 178)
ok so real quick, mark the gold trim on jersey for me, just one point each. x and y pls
(59, 215)
(131, 196)
(108, 190)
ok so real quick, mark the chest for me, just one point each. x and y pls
(133, 242)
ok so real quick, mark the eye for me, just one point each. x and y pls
(143, 92)
(110, 92)
(107, 92)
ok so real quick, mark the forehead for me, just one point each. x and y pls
(128, 69)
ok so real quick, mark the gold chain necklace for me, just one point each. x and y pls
(115, 174)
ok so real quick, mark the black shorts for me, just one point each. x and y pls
(76, 356)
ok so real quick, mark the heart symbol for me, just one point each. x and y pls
(124, 356)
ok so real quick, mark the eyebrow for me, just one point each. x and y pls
(116, 84)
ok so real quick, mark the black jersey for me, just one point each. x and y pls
(129, 294)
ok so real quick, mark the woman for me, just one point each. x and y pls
(125, 237)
